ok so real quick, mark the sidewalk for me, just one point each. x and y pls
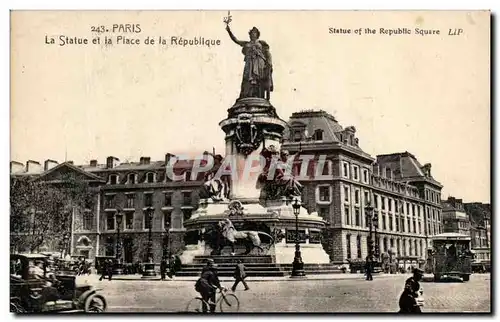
(340, 276)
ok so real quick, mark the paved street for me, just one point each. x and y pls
(340, 295)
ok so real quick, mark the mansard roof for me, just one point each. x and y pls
(316, 120)
(406, 167)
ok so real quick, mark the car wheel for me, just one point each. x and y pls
(95, 304)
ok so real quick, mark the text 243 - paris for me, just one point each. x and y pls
(117, 28)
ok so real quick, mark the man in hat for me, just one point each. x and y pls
(239, 276)
(207, 284)
(408, 299)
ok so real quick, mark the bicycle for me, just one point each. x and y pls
(226, 302)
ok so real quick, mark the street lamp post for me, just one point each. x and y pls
(118, 265)
(369, 220)
(298, 264)
(149, 266)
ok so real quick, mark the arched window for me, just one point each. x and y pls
(318, 135)
(113, 179)
(132, 178)
(150, 177)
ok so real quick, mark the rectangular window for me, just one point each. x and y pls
(345, 170)
(147, 222)
(358, 244)
(348, 246)
(419, 227)
(389, 204)
(390, 223)
(397, 223)
(346, 194)
(357, 217)
(414, 226)
(382, 201)
(367, 197)
(130, 201)
(356, 197)
(129, 220)
(355, 172)
(323, 212)
(396, 206)
(384, 224)
(186, 198)
(347, 216)
(403, 224)
(168, 199)
(398, 247)
(375, 200)
(408, 209)
(166, 220)
(365, 176)
(110, 222)
(413, 209)
(148, 200)
(324, 193)
(110, 202)
(187, 213)
(87, 221)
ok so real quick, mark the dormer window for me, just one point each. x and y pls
(297, 136)
(150, 177)
(187, 176)
(113, 179)
(132, 178)
(318, 135)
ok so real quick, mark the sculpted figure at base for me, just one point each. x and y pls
(283, 184)
(257, 73)
(215, 188)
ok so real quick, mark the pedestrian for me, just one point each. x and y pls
(239, 276)
(207, 284)
(163, 268)
(171, 265)
(104, 269)
(408, 299)
(369, 268)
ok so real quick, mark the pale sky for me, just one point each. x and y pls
(429, 95)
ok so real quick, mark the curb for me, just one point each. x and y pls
(263, 279)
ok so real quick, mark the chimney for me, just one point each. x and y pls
(145, 160)
(33, 167)
(168, 156)
(49, 164)
(93, 163)
(16, 167)
(112, 162)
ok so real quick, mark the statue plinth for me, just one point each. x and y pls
(251, 125)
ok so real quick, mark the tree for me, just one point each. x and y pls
(41, 211)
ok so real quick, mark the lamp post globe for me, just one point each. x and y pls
(298, 264)
(118, 267)
(149, 266)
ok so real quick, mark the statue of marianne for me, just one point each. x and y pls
(257, 74)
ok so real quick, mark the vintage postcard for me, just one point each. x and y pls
(250, 161)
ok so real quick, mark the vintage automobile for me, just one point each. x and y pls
(33, 289)
(451, 256)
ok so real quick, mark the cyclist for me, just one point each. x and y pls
(207, 285)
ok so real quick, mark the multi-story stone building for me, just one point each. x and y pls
(403, 192)
(480, 218)
(455, 220)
